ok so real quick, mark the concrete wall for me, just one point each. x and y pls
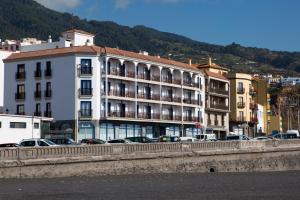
(153, 158)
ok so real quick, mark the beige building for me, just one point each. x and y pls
(216, 99)
(242, 106)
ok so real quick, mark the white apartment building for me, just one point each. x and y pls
(3, 55)
(14, 128)
(102, 92)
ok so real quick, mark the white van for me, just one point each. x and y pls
(206, 137)
(293, 132)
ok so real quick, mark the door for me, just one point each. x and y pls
(122, 89)
(148, 112)
(122, 107)
(86, 87)
(86, 131)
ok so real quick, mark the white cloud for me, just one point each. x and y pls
(122, 4)
(60, 5)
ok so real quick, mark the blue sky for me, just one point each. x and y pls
(273, 24)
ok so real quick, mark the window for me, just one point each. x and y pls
(37, 72)
(86, 87)
(0, 124)
(48, 86)
(21, 68)
(86, 108)
(48, 65)
(86, 62)
(48, 107)
(28, 144)
(240, 84)
(42, 143)
(36, 125)
(21, 88)
(241, 99)
(17, 124)
(48, 71)
(21, 109)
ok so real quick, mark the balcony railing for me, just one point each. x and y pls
(219, 106)
(38, 94)
(166, 79)
(252, 92)
(85, 71)
(155, 78)
(85, 113)
(37, 113)
(47, 114)
(191, 101)
(20, 96)
(221, 91)
(253, 106)
(118, 114)
(85, 92)
(191, 84)
(241, 104)
(37, 74)
(48, 73)
(240, 90)
(144, 116)
(20, 75)
(121, 94)
(177, 81)
(190, 119)
(170, 99)
(167, 117)
(241, 119)
(130, 74)
(48, 93)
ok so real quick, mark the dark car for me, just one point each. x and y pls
(120, 141)
(9, 145)
(285, 136)
(63, 141)
(166, 138)
(140, 139)
(92, 141)
(237, 137)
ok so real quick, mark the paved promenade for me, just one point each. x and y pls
(213, 186)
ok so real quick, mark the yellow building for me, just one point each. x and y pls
(275, 123)
(242, 105)
(262, 97)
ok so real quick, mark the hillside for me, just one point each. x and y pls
(29, 19)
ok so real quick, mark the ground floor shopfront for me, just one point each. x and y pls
(107, 130)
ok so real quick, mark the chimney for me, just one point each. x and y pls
(190, 62)
(209, 61)
(49, 39)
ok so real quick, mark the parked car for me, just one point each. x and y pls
(36, 143)
(236, 137)
(188, 139)
(293, 132)
(63, 141)
(139, 139)
(167, 138)
(262, 138)
(92, 141)
(285, 136)
(120, 141)
(9, 145)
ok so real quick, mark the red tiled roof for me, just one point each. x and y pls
(215, 75)
(94, 50)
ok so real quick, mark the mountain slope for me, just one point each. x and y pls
(26, 18)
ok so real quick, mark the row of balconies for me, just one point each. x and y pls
(218, 106)
(243, 119)
(242, 105)
(37, 95)
(37, 74)
(216, 90)
(155, 97)
(37, 113)
(216, 123)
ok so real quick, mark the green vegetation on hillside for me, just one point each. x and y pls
(26, 18)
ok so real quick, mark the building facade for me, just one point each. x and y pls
(243, 109)
(102, 92)
(217, 99)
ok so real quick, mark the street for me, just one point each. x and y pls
(211, 186)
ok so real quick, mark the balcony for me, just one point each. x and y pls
(190, 119)
(37, 113)
(47, 114)
(177, 81)
(144, 116)
(241, 105)
(177, 99)
(191, 101)
(48, 93)
(155, 78)
(221, 91)
(154, 97)
(85, 92)
(167, 117)
(166, 79)
(219, 106)
(38, 94)
(190, 84)
(240, 90)
(20, 96)
(85, 71)
(85, 114)
(20, 113)
(118, 114)
(178, 117)
(130, 74)
(37, 74)
(48, 73)
(20, 75)
(169, 99)
(118, 93)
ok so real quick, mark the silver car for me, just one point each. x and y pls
(35, 142)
